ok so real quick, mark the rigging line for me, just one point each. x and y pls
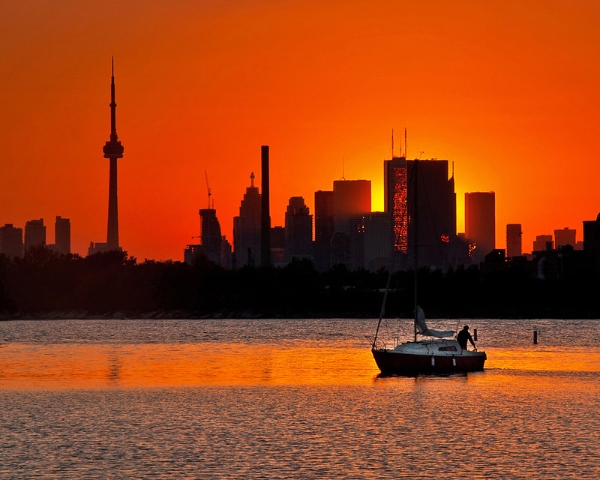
(387, 286)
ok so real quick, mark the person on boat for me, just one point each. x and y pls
(464, 336)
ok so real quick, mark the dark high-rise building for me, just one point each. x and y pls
(225, 253)
(480, 223)
(211, 241)
(323, 229)
(351, 202)
(62, 235)
(351, 198)
(514, 237)
(298, 230)
(113, 150)
(11, 241)
(591, 240)
(247, 229)
(395, 179)
(542, 243)
(278, 246)
(566, 236)
(35, 233)
(431, 212)
(210, 234)
(377, 240)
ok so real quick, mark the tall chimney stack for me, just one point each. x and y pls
(265, 230)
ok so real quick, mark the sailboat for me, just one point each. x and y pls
(436, 353)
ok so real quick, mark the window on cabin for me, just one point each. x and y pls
(448, 349)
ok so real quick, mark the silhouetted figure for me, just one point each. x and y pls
(464, 336)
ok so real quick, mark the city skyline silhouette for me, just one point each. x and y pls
(485, 87)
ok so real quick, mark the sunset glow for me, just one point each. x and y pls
(506, 90)
(188, 365)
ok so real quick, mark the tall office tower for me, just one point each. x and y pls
(298, 230)
(351, 202)
(62, 235)
(591, 240)
(225, 253)
(377, 241)
(395, 200)
(566, 236)
(278, 246)
(113, 150)
(480, 223)
(432, 224)
(11, 241)
(35, 233)
(265, 232)
(210, 235)
(323, 229)
(247, 228)
(514, 237)
(351, 198)
(542, 243)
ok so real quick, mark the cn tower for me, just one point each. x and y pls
(113, 150)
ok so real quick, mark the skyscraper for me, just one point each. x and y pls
(591, 240)
(431, 212)
(247, 228)
(351, 202)
(278, 246)
(514, 237)
(480, 222)
(113, 150)
(210, 234)
(351, 198)
(542, 243)
(377, 240)
(566, 236)
(11, 241)
(298, 230)
(395, 200)
(62, 235)
(323, 229)
(35, 233)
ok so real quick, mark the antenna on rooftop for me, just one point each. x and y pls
(393, 144)
(208, 188)
(405, 144)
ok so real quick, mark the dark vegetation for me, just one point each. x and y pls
(47, 285)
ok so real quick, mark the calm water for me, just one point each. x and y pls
(291, 399)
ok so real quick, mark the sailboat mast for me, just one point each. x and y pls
(415, 224)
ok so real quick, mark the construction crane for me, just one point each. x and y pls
(208, 188)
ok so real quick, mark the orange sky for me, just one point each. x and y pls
(507, 90)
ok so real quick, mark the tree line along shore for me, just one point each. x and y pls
(113, 285)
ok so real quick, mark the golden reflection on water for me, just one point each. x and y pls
(73, 366)
(540, 359)
(98, 366)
